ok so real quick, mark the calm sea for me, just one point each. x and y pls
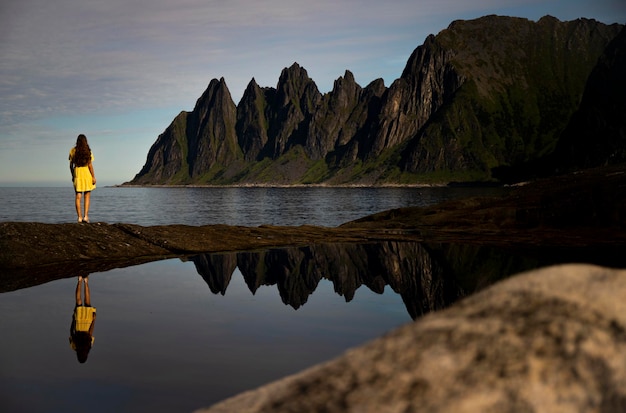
(230, 206)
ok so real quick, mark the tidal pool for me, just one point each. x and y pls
(180, 334)
(163, 341)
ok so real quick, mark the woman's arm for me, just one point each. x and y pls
(93, 175)
(92, 325)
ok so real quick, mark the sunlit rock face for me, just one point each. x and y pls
(548, 340)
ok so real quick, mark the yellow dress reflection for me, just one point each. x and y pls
(83, 321)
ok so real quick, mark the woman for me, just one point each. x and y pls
(83, 321)
(83, 177)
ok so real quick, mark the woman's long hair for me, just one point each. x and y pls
(82, 155)
(82, 341)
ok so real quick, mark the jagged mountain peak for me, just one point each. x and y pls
(293, 84)
(216, 90)
(253, 83)
(252, 89)
(347, 80)
(348, 76)
(294, 74)
(296, 69)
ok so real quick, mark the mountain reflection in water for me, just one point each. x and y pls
(166, 344)
(428, 278)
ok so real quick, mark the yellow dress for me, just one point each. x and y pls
(83, 318)
(82, 177)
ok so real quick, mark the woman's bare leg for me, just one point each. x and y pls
(87, 199)
(87, 294)
(78, 300)
(78, 211)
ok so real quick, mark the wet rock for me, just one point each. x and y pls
(24, 244)
(548, 340)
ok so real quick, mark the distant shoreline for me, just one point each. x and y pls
(273, 185)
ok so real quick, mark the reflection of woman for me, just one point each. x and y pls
(83, 176)
(83, 321)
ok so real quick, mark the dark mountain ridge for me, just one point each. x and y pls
(487, 93)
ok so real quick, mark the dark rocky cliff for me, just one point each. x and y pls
(482, 94)
(519, 93)
(596, 134)
(212, 141)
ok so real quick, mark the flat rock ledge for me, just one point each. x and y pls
(551, 340)
(32, 253)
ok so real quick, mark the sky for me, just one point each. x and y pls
(119, 71)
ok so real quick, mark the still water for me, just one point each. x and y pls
(230, 206)
(180, 334)
(164, 342)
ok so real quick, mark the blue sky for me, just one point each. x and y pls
(119, 71)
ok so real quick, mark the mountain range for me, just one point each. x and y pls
(489, 99)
